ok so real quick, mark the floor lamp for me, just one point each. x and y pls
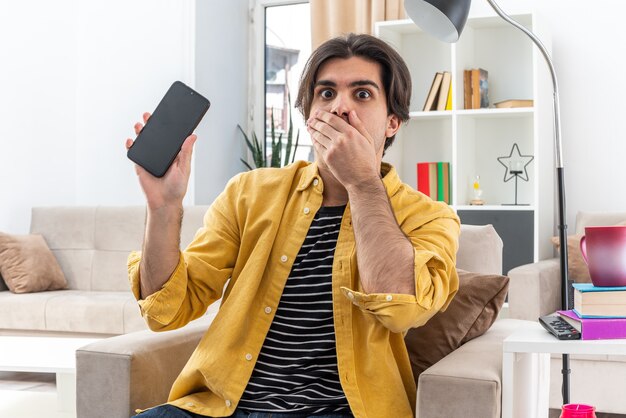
(445, 20)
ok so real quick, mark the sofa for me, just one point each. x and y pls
(91, 245)
(118, 375)
(535, 289)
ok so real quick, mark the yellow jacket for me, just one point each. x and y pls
(251, 235)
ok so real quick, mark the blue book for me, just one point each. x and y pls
(589, 287)
(599, 302)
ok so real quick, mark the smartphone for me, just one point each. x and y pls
(175, 118)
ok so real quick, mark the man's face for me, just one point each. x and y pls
(355, 84)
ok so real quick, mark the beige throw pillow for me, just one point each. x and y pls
(470, 314)
(28, 265)
(576, 266)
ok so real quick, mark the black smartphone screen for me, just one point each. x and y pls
(175, 118)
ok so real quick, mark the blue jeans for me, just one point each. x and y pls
(169, 411)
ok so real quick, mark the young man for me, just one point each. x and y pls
(325, 264)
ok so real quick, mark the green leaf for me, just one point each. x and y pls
(246, 164)
(257, 155)
(276, 151)
(296, 147)
(289, 132)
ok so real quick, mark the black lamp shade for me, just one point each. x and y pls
(444, 19)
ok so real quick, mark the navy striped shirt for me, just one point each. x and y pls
(296, 370)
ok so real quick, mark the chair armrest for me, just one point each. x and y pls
(535, 289)
(469, 378)
(117, 375)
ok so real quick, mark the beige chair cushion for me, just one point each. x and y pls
(473, 310)
(480, 249)
(27, 264)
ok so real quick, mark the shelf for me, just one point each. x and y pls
(431, 115)
(472, 140)
(496, 113)
(489, 113)
(493, 207)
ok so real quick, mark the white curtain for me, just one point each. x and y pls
(330, 18)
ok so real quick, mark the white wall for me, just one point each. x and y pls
(37, 108)
(76, 76)
(128, 53)
(588, 53)
(221, 74)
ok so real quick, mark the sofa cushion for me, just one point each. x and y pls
(576, 266)
(90, 312)
(25, 311)
(472, 311)
(27, 264)
(480, 249)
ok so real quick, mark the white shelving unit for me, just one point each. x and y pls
(471, 140)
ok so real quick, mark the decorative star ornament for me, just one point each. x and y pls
(506, 162)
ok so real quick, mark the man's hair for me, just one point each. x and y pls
(395, 74)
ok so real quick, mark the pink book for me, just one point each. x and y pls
(596, 328)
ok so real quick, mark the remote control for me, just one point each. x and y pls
(559, 327)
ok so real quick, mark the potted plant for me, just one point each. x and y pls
(258, 149)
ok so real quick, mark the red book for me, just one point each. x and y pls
(596, 328)
(423, 181)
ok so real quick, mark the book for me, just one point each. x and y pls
(443, 91)
(592, 301)
(432, 93)
(484, 88)
(443, 182)
(475, 77)
(480, 88)
(507, 104)
(467, 89)
(449, 101)
(423, 182)
(440, 182)
(432, 179)
(596, 328)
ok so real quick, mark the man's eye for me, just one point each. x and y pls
(326, 94)
(363, 94)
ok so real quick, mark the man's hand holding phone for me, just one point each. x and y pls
(172, 187)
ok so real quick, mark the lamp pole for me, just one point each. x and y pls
(562, 226)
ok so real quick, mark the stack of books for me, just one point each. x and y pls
(433, 179)
(475, 89)
(439, 96)
(599, 312)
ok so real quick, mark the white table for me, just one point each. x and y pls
(45, 355)
(526, 368)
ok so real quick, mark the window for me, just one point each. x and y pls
(287, 47)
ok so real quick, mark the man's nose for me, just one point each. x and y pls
(341, 107)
